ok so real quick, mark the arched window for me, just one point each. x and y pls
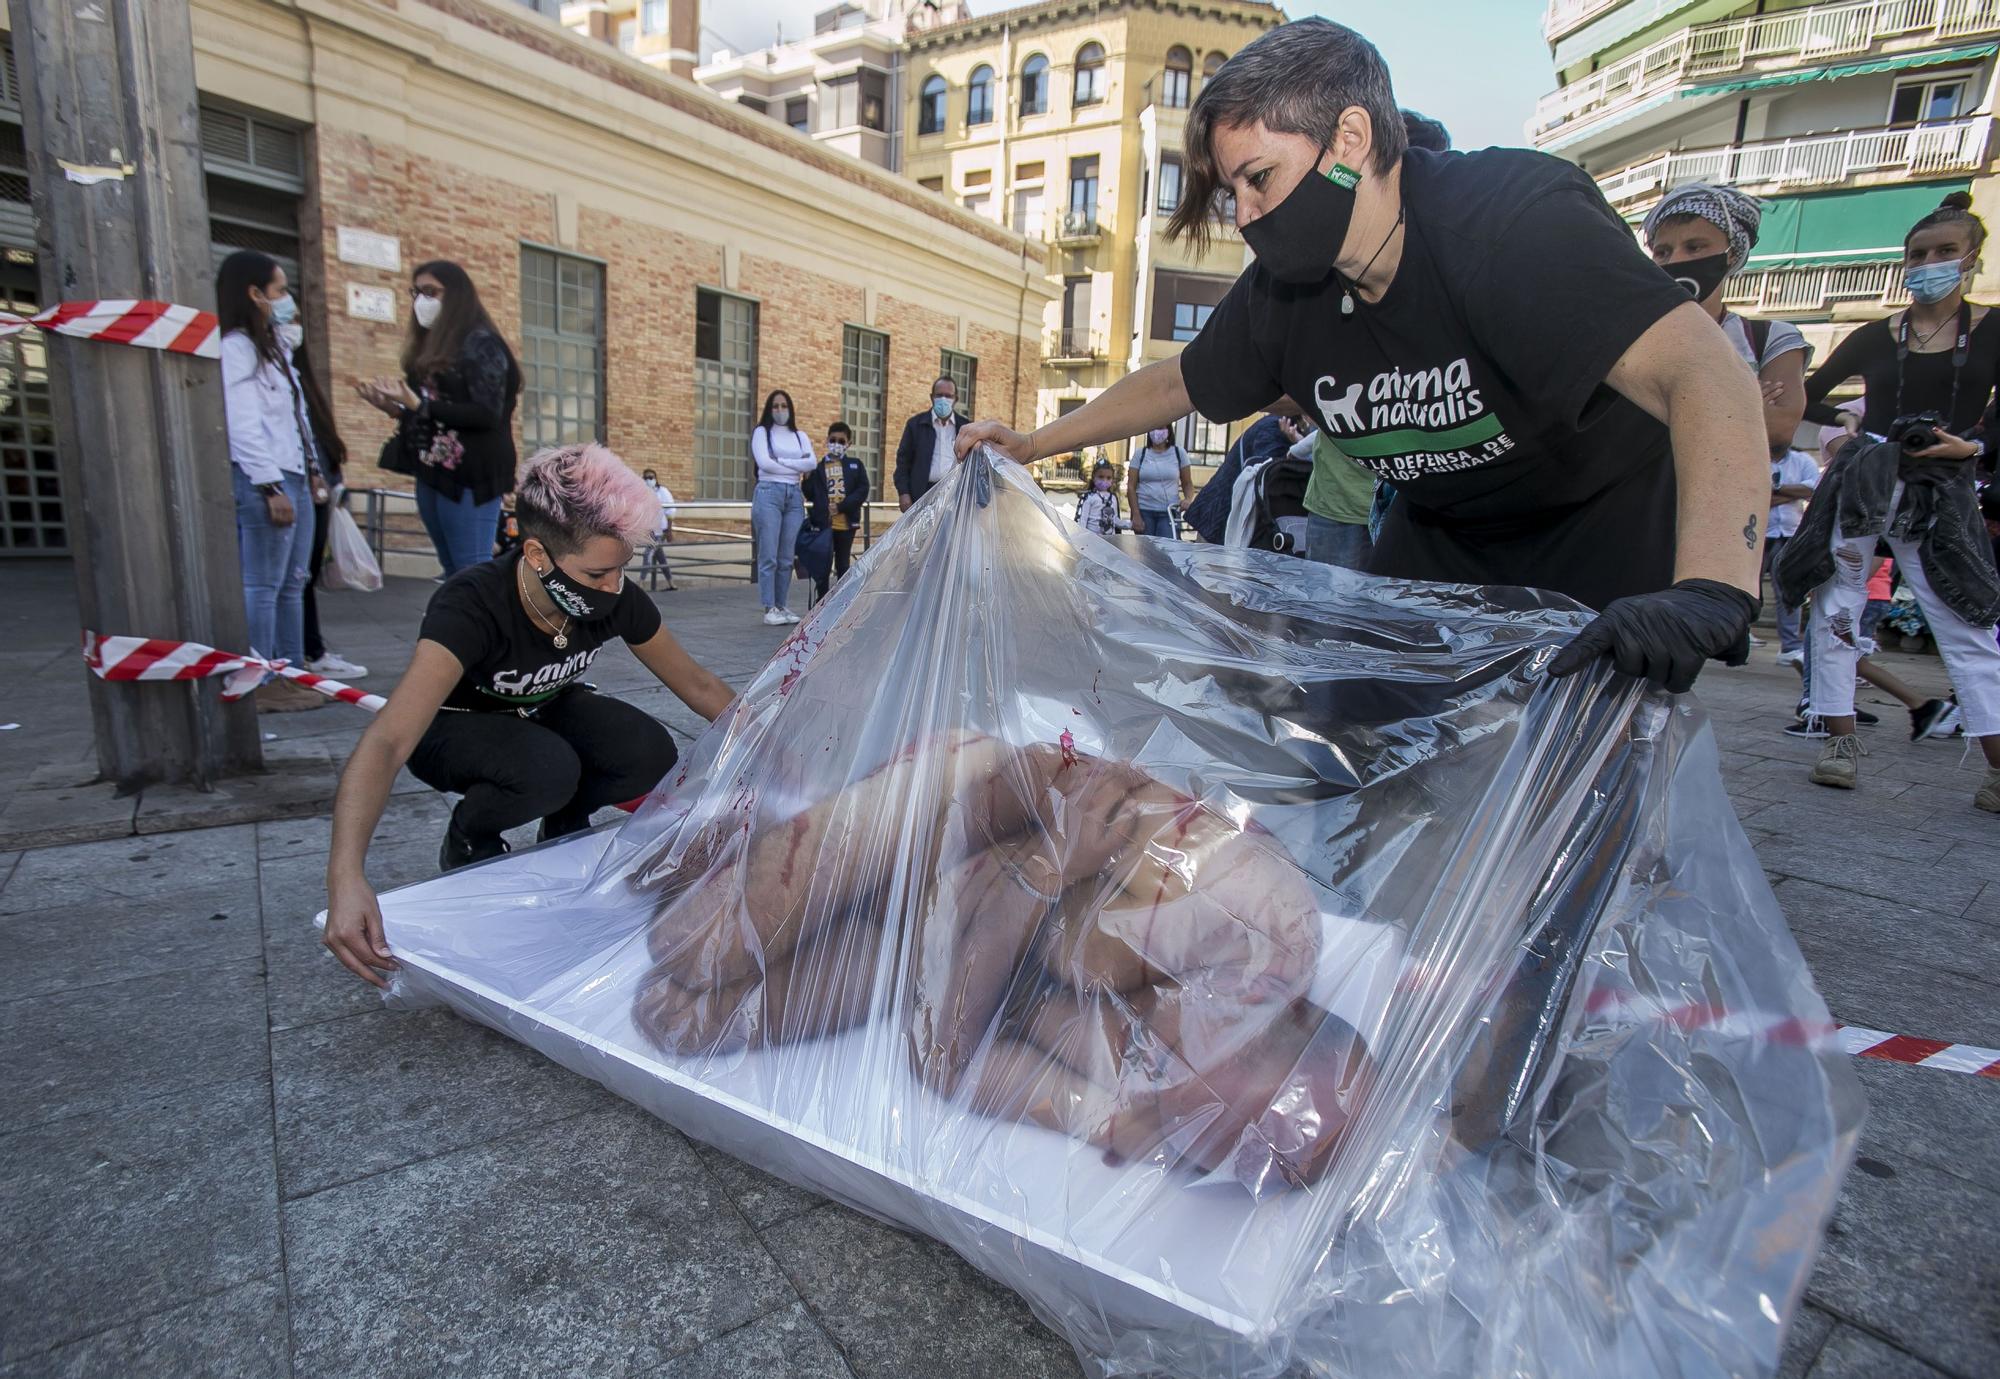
(1212, 64)
(1180, 74)
(931, 105)
(1035, 86)
(979, 97)
(1089, 85)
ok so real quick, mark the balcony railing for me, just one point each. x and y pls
(1563, 16)
(1080, 225)
(1816, 160)
(1072, 344)
(1772, 42)
(1817, 289)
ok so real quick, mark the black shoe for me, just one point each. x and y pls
(462, 849)
(562, 823)
(1809, 725)
(1927, 716)
(1865, 719)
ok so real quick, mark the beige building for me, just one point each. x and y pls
(1062, 121)
(658, 259)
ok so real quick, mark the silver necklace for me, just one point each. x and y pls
(1347, 285)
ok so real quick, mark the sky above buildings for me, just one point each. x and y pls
(1477, 65)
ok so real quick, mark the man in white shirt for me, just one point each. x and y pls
(1794, 474)
(663, 534)
(928, 449)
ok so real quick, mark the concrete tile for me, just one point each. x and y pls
(404, 818)
(1866, 988)
(1973, 859)
(1985, 907)
(298, 779)
(68, 1053)
(115, 940)
(8, 860)
(787, 1342)
(596, 1245)
(110, 1217)
(1909, 1256)
(903, 1305)
(373, 1091)
(1887, 826)
(132, 869)
(1947, 1120)
(240, 1333)
(1866, 871)
(760, 1196)
(1809, 1330)
(1852, 1354)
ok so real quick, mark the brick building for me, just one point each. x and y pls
(657, 258)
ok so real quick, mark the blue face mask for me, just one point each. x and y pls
(283, 310)
(940, 407)
(1933, 282)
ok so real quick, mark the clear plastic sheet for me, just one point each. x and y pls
(1252, 963)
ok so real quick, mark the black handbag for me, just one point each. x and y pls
(396, 457)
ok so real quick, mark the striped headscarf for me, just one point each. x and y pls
(1727, 209)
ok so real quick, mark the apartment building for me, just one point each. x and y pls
(658, 258)
(1062, 121)
(1850, 118)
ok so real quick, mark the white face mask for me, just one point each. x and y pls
(426, 310)
(837, 449)
(291, 336)
(781, 416)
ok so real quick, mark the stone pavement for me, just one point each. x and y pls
(221, 1156)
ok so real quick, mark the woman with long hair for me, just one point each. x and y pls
(494, 708)
(1906, 481)
(454, 411)
(270, 454)
(784, 455)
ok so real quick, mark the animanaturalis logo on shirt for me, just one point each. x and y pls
(1404, 424)
(526, 687)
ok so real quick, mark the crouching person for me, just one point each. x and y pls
(493, 707)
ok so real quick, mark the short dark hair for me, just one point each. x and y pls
(945, 378)
(1294, 79)
(842, 427)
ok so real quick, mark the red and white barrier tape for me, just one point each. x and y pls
(149, 325)
(143, 658)
(1921, 1053)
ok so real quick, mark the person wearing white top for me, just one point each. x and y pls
(269, 455)
(784, 456)
(928, 450)
(1794, 475)
(663, 534)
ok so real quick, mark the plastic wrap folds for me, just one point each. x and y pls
(1250, 962)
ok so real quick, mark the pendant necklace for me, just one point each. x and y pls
(560, 634)
(1347, 284)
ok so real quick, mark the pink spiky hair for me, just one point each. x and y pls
(575, 492)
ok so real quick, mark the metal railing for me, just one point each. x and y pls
(705, 539)
(1817, 289)
(1809, 160)
(1562, 16)
(1073, 342)
(1773, 42)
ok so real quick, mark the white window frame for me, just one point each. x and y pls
(1926, 84)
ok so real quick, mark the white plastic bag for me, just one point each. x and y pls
(349, 563)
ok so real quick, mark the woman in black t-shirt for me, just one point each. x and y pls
(1480, 331)
(492, 706)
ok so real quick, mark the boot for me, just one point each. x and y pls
(462, 849)
(1839, 762)
(282, 696)
(562, 823)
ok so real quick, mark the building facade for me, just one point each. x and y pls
(1062, 121)
(1849, 119)
(657, 258)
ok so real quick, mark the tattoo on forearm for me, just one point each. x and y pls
(1750, 532)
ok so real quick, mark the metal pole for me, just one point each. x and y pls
(114, 156)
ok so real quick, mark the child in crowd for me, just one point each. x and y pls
(1097, 509)
(835, 492)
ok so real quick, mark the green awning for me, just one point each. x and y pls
(1859, 68)
(1853, 225)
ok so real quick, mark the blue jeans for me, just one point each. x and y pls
(461, 530)
(777, 511)
(1790, 639)
(1160, 524)
(1346, 544)
(274, 568)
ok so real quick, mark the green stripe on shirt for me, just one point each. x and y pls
(1411, 441)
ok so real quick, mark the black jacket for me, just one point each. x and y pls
(853, 476)
(1939, 512)
(913, 453)
(475, 402)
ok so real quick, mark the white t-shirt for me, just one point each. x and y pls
(666, 500)
(1783, 339)
(944, 453)
(1794, 468)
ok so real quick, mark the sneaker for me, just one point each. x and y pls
(282, 696)
(462, 849)
(1756, 640)
(336, 665)
(1988, 795)
(1926, 717)
(1791, 658)
(1809, 725)
(1839, 762)
(788, 615)
(773, 618)
(1865, 718)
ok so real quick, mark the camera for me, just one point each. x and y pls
(1919, 431)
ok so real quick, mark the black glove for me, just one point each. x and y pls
(1664, 638)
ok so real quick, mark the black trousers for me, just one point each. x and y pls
(843, 556)
(315, 643)
(580, 752)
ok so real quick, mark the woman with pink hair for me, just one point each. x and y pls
(492, 707)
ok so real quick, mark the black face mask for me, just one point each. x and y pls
(1699, 276)
(580, 601)
(1297, 240)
